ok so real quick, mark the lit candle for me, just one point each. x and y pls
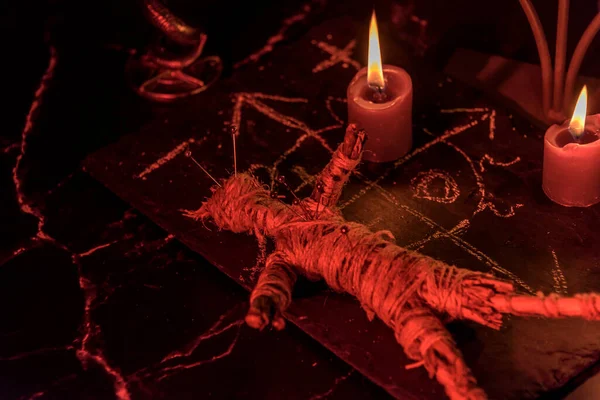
(380, 102)
(571, 174)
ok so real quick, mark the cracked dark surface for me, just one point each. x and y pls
(98, 301)
(148, 297)
(95, 295)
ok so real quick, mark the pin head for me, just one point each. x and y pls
(281, 179)
(273, 195)
(344, 229)
(233, 129)
(296, 202)
(320, 187)
(188, 153)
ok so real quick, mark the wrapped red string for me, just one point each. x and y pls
(405, 289)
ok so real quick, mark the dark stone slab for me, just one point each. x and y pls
(469, 194)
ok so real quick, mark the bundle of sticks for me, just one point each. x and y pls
(408, 291)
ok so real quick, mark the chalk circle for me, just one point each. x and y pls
(435, 185)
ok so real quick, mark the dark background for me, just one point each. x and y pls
(89, 34)
(89, 106)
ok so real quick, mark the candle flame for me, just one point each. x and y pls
(577, 124)
(374, 69)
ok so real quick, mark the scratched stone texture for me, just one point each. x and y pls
(469, 194)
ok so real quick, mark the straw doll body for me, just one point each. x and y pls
(406, 290)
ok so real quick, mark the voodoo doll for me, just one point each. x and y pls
(406, 290)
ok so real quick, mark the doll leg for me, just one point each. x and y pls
(425, 339)
(272, 294)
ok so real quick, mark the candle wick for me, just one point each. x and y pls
(577, 137)
(379, 95)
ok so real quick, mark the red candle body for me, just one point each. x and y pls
(571, 173)
(388, 123)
